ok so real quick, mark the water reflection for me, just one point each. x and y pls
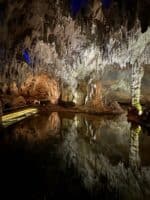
(134, 157)
(82, 154)
(99, 150)
(39, 128)
(54, 123)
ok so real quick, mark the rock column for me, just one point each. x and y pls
(137, 74)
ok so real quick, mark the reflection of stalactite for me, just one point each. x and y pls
(54, 122)
(137, 74)
(94, 167)
(134, 158)
(90, 130)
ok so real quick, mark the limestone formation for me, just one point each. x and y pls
(96, 43)
(18, 102)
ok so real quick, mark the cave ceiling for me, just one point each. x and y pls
(72, 40)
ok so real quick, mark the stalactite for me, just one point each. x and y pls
(137, 74)
(70, 48)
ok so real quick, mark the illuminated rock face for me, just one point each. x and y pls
(18, 101)
(73, 48)
(94, 94)
(137, 74)
(13, 89)
(41, 87)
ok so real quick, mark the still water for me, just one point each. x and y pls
(64, 155)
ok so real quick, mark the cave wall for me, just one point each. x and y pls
(74, 49)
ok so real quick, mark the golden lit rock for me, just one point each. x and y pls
(14, 89)
(41, 87)
(18, 101)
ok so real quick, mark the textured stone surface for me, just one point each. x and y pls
(116, 85)
(145, 87)
(41, 87)
(18, 101)
(95, 45)
(13, 89)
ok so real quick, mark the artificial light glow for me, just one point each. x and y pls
(138, 106)
(12, 118)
